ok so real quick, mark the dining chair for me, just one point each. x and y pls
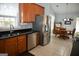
(56, 29)
(73, 32)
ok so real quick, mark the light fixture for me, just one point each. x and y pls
(68, 19)
(66, 3)
(57, 5)
(65, 19)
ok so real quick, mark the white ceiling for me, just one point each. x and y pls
(60, 8)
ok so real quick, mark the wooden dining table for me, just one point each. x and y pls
(62, 32)
(69, 32)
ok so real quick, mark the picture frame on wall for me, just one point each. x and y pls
(67, 22)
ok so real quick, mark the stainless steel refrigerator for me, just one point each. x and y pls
(42, 24)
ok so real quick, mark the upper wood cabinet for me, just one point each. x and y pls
(28, 11)
(39, 10)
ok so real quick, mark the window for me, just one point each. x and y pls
(5, 22)
(77, 24)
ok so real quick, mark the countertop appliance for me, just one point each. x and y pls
(42, 24)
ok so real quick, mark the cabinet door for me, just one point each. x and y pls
(2, 46)
(11, 46)
(39, 10)
(23, 12)
(26, 13)
(21, 43)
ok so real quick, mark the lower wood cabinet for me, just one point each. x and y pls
(21, 43)
(2, 46)
(11, 46)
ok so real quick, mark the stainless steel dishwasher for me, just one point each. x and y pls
(32, 40)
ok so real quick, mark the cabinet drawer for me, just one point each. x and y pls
(21, 41)
(22, 37)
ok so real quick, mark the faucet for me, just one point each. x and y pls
(11, 27)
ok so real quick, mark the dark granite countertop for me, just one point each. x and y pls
(5, 36)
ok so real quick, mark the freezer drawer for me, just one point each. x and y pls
(32, 40)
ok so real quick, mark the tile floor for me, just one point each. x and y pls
(56, 47)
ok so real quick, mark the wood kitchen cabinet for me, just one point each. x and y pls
(19, 44)
(28, 12)
(11, 46)
(39, 10)
(22, 44)
(26, 15)
(14, 45)
(2, 46)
